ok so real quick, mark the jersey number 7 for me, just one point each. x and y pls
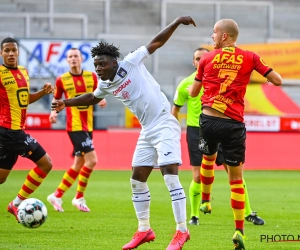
(230, 75)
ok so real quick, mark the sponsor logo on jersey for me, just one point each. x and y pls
(166, 154)
(6, 78)
(23, 97)
(4, 71)
(69, 89)
(9, 82)
(121, 87)
(229, 49)
(122, 72)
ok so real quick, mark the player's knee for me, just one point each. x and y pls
(91, 163)
(138, 185)
(3, 175)
(45, 163)
(171, 169)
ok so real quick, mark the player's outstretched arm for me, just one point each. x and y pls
(163, 36)
(83, 100)
(46, 90)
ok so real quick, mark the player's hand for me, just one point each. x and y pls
(102, 103)
(58, 106)
(48, 88)
(53, 117)
(186, 20)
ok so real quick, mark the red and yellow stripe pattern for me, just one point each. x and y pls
(32, 182)
(14, 96)
(79, 118)
(266, 99)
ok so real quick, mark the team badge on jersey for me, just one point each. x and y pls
(263, 62)
(19, 76)
(78, 83)
(122, 72)
(125, 95)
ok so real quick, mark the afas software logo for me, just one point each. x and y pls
(267, 238)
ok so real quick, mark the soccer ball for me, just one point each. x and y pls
(32, 213)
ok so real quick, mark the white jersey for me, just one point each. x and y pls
(137, 89)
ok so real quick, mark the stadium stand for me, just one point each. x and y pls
(131, 23)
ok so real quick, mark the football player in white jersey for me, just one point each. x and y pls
(159, 140)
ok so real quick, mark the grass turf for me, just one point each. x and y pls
(112, 222)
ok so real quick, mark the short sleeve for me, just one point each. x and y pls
(99, 93)
(95, 81)
(260, 66)
(137, 56)
(181, 94)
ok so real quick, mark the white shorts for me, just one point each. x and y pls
(159, 146)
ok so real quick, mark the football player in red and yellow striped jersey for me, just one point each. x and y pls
(15, 97)
(79, 127)
(225, 73)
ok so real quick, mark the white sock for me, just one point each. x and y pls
(178, 201)
(141, 202)
(144, 225)
(17, 201)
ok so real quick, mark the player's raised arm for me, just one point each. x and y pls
(163, 36)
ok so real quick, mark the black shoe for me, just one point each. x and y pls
(255, 219)
(194, 221)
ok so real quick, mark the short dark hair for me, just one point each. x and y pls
(200, 49)
(73, 48)
(8, 40)
(105, 49)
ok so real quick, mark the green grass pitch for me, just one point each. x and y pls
(112, 222)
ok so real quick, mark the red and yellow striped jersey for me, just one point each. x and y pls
(79, 118)
(14, 97)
